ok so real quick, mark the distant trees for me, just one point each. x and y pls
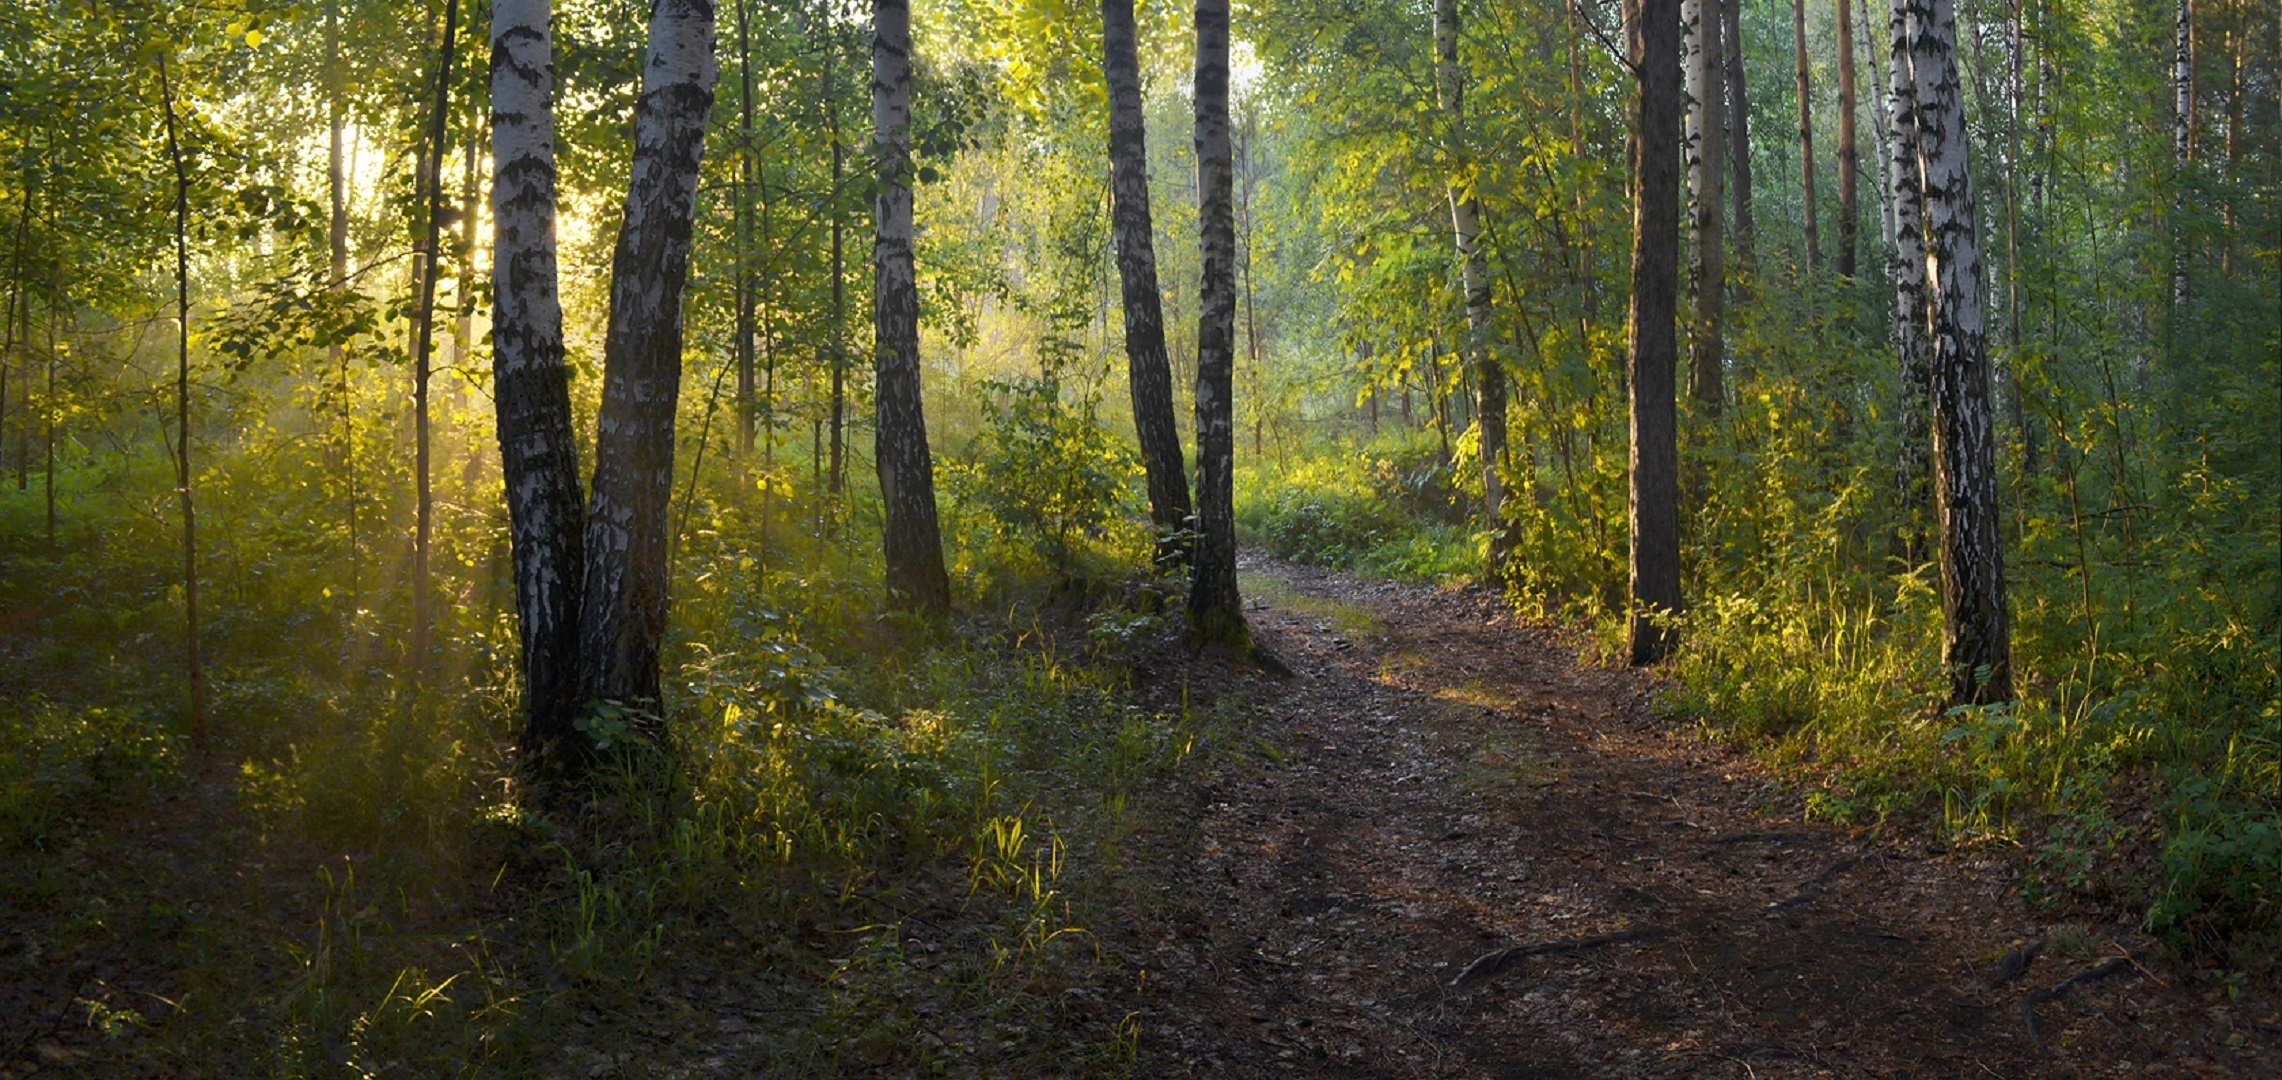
(1473, 275)
(1706, 154)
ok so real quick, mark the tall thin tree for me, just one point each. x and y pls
(623, 602)
(1976, 637)
(909, 533)
(1707, 272)
(538, 449)
(1738, 134)
(1215, 608)
(1652, 42)
(192, 645)
(1912, 496)
(1474, 277)
(1806, 136)
(1148, 368)
(1849, 159)
(430, 267)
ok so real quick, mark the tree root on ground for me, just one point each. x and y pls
(2117, 966)
(1493, 963)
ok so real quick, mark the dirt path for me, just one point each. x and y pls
(1452, 783)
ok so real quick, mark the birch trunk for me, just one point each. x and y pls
(1883, 147)
(1653, 42)
(914, 546)
(1474, 275)
(623, 603)
(1215, 609)
(1806, 136)
(1738, 133)
(1849, 159)
(1976, 648)
(1148, 369)
(2182, 137)
(1907, 269)
(538, 450)
(1707, 275)
(747, 174)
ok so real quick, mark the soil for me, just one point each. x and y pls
(1454, 784)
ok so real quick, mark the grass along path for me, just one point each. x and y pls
(1462, 853)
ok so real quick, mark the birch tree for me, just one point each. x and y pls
(1148, 367)
(1738, 133)
(538, 450)
(909, 533)
(1215, 609)
(623, 601)
(1806, 135)
(1849, 160)
(1976, 644)
(1707, 276)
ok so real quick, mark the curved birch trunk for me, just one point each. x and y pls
(1215, 609)
(1653, 41)
(623, 608)
(1148, 369)
(1707, 272)
(914, 546)
(1474, 275)
(1976, 645)
(538, 450)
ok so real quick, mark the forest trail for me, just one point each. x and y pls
(1451, 782)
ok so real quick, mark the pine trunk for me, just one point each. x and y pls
(1738, 133)
(1215, 608)
(1474, 275)
(1653, 42)
(1806, 136)
(623, 613)
(1148, 369)
(538, 449)
(1976, 646)
(1707, 274)
(1849, 159)
(914, 546)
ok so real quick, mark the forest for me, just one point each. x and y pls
(1264, 538)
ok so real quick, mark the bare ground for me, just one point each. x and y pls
(1453, 783)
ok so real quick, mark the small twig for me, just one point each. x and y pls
(1807, 891)
(1760, 837)
(1490, 964)
(2116, 966)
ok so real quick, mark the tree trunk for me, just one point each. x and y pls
(1806, 137)
(1884, 150)
(1474, 275)
(1707, 275)
(623, 613)
(1148, 369)
(430, 267)
(1652, 40)
(914, 546)
(839, 403)
(1907, 269)
(538, 450)
(1215, 609)
(1976, 647)
(192, 646)
(748, 166)
(18, 297)
(1738, 133)
(2182, 139)
(1849, 160)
